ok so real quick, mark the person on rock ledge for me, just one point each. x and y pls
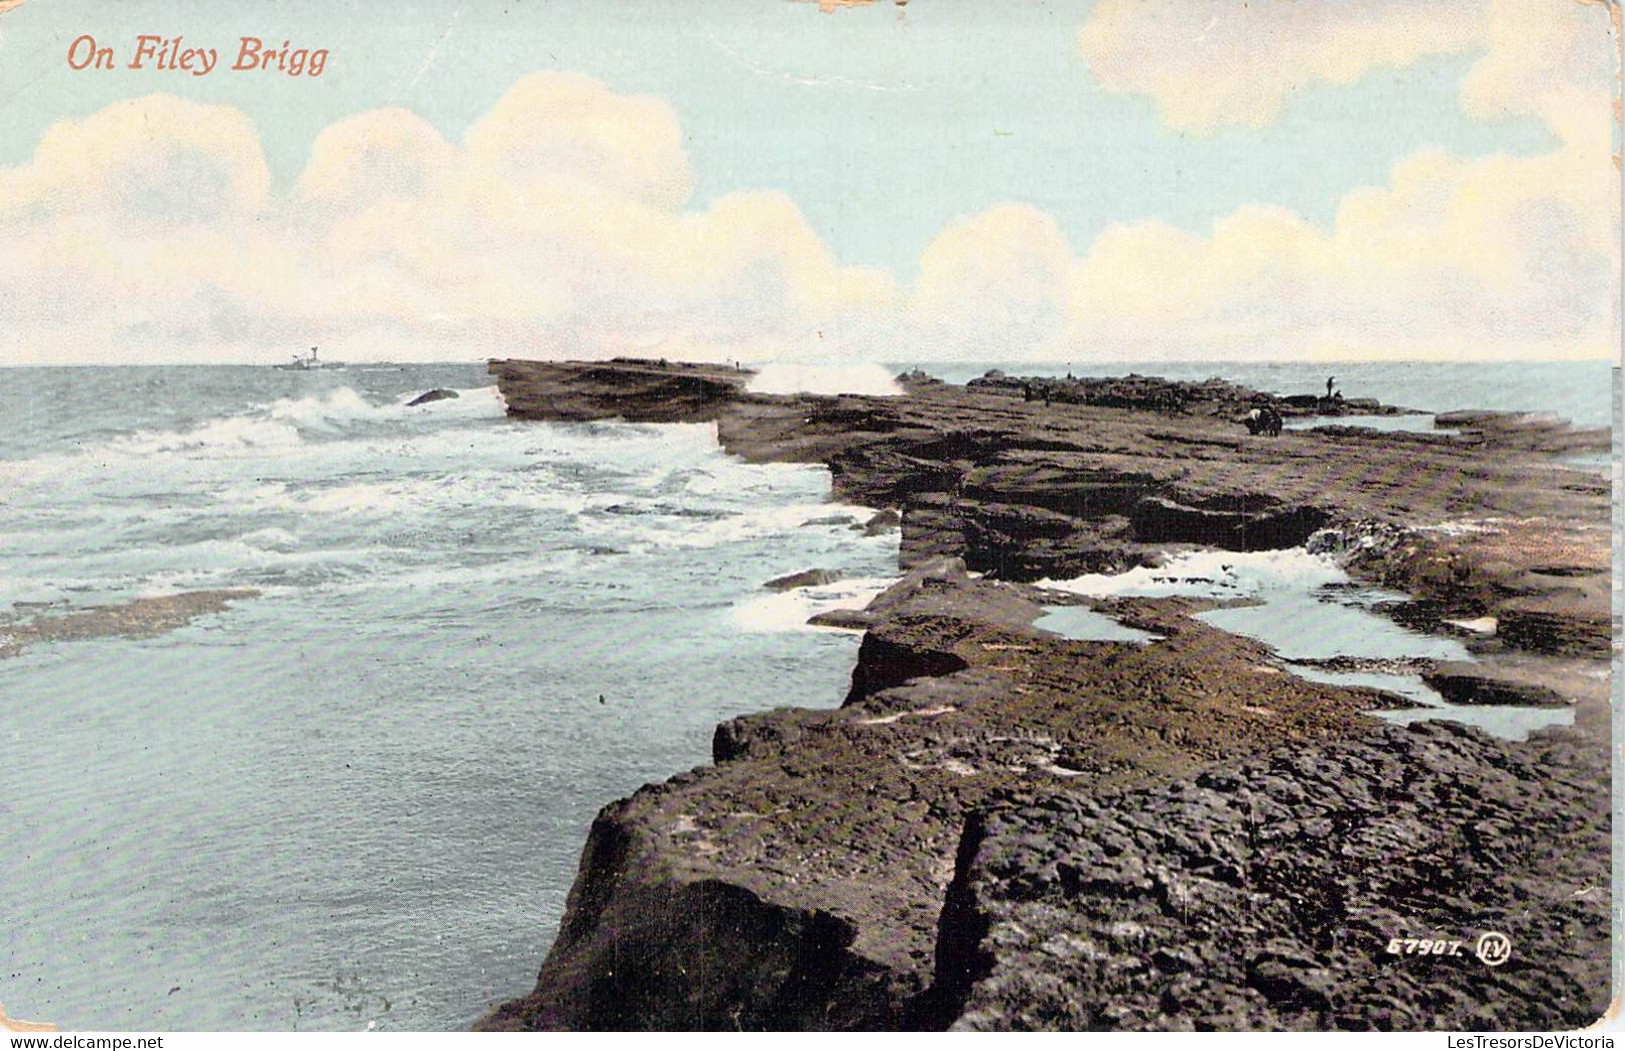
(1264, 421)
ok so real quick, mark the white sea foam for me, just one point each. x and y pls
(271, 539)
(327, 411)
(286, 422)
(1295, 607)
(236, 433)
(334, 410)
(1461, 527)
(1212, 574)
(337, 489)
(789, 610)
(824, 379)
(664, 525)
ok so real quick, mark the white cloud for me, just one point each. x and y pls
(1496, 256)
(557, 225)
(159, 161)
(561, 224)
(381, 154)
(1490, 257)
(1210, 65)
(554, 128)
(1543, 57)
(991, 284)
(1452, 258)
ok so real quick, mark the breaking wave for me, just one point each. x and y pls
(824, 379)
(790, 610)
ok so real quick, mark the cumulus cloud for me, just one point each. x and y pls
(1468, 258)
(554, 129)
(1489, 257)
(1207, 66)
(1452, 258)
(1554, 60)
(1496, 256)
(991, 284)
(561, 223)
(203, 164)
(140, 218)
(558, 224)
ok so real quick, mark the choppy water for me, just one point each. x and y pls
(358, 799)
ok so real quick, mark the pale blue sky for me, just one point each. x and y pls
(881, 124)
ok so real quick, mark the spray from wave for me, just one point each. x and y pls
(824, 379)
(287, 422)
(1213, 574)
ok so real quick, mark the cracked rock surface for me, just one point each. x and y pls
(1264, 894)
(1004, 828)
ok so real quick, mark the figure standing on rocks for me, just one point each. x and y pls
(1329, 381)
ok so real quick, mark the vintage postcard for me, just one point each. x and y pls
(808, 515)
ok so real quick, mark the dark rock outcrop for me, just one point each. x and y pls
(1565, 624)
(1267, 894)
(840, 868)
(1109, 475)
(646, 948)
(805, 578)
(1161, 520)
(629, 388)
(438, 394)
(1461, 683)
(886, 521)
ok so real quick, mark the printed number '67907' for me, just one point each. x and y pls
(1424, 947)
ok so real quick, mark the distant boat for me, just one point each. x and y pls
(309, 364)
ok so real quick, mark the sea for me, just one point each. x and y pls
(355, 797)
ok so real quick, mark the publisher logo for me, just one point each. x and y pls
(1493, 948)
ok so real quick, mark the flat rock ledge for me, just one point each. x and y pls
(1267, 895)
(1004, 828)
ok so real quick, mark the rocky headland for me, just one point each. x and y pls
(1003, 827)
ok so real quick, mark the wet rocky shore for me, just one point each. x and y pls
(1004, 827)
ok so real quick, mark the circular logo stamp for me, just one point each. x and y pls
(1493, 948)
